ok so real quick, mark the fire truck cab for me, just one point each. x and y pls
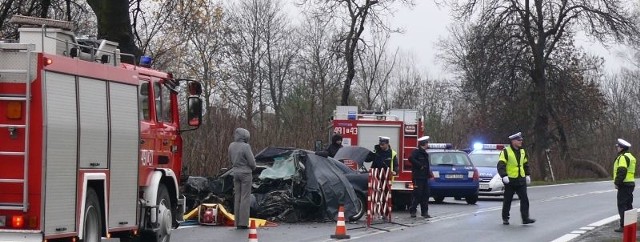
(402, 126)
(90, 148)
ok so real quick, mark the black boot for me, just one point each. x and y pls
(505, 221)
(528, 221)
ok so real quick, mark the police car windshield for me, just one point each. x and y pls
(449, 158)
(484, 160)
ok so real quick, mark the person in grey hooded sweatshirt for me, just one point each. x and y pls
(243, 163)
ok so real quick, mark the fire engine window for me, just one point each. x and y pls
(162, 102)
(144, 101)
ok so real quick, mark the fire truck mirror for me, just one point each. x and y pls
(195, 111)
(195, 88)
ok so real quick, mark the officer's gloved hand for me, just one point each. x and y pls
(505, 180)
(528, 180)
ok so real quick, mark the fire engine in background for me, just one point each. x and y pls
(403, 126)
(89, 147)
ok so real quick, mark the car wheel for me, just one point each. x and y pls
(472, 199)
(438, 199)
(457, 198)
(362, 200)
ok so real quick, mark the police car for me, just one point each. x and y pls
(485, 157)
(454, 175)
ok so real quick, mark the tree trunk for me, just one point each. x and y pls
(44, 12)
(351, 72)
(540, 128)
(114, 24)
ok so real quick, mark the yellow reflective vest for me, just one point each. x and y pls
(630, 165)
(515, 168)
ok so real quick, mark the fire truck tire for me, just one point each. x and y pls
(92, 229)
(163, 232)
(362, 199)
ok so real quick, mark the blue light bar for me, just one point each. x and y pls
(145, 61)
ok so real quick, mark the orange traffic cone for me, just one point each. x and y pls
(253, 232)
(341, 230)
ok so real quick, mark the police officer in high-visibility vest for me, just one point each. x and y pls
(624, 170)
(385, 156)
(513, 167)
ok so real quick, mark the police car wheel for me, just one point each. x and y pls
(438, 199)
(472, 199)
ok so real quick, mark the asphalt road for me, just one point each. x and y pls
(559, 210)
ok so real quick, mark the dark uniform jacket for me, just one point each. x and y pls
(333, 148)
(420, 168)
(383, 159)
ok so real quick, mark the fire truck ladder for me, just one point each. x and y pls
(16, 67)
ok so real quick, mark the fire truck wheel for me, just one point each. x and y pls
(165, 220)
(92, 229)
(162, 230)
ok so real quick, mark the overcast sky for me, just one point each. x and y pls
(426, 23)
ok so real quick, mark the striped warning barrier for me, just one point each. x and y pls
(379, 195)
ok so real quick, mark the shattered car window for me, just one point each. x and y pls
(281, 169)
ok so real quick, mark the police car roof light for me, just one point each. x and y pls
(439, 146)
(489, 146)
(477, 146)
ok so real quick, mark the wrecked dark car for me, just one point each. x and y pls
(293, 185)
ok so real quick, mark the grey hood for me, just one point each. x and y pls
(241, 135)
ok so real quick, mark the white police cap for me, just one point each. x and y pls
(383, 139)
(623, 143)
(516, 136)
(423, 138)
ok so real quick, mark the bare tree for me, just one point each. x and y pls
(355, 14)
(375, 66)
(194, 44)
(318, 76)
(247, 46)
(540, 26)
(280, 54)
(76, 11)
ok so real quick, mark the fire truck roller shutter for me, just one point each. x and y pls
(61, 130)
(94, 127)
(124, 143)
(368, 137)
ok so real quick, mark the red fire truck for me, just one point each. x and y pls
(89, 147)
(403, 126)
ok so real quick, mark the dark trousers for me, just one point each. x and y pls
(625, 201)
(521, 190)
(420, 196)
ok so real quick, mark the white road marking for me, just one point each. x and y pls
(574, 234)
(566, 237)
